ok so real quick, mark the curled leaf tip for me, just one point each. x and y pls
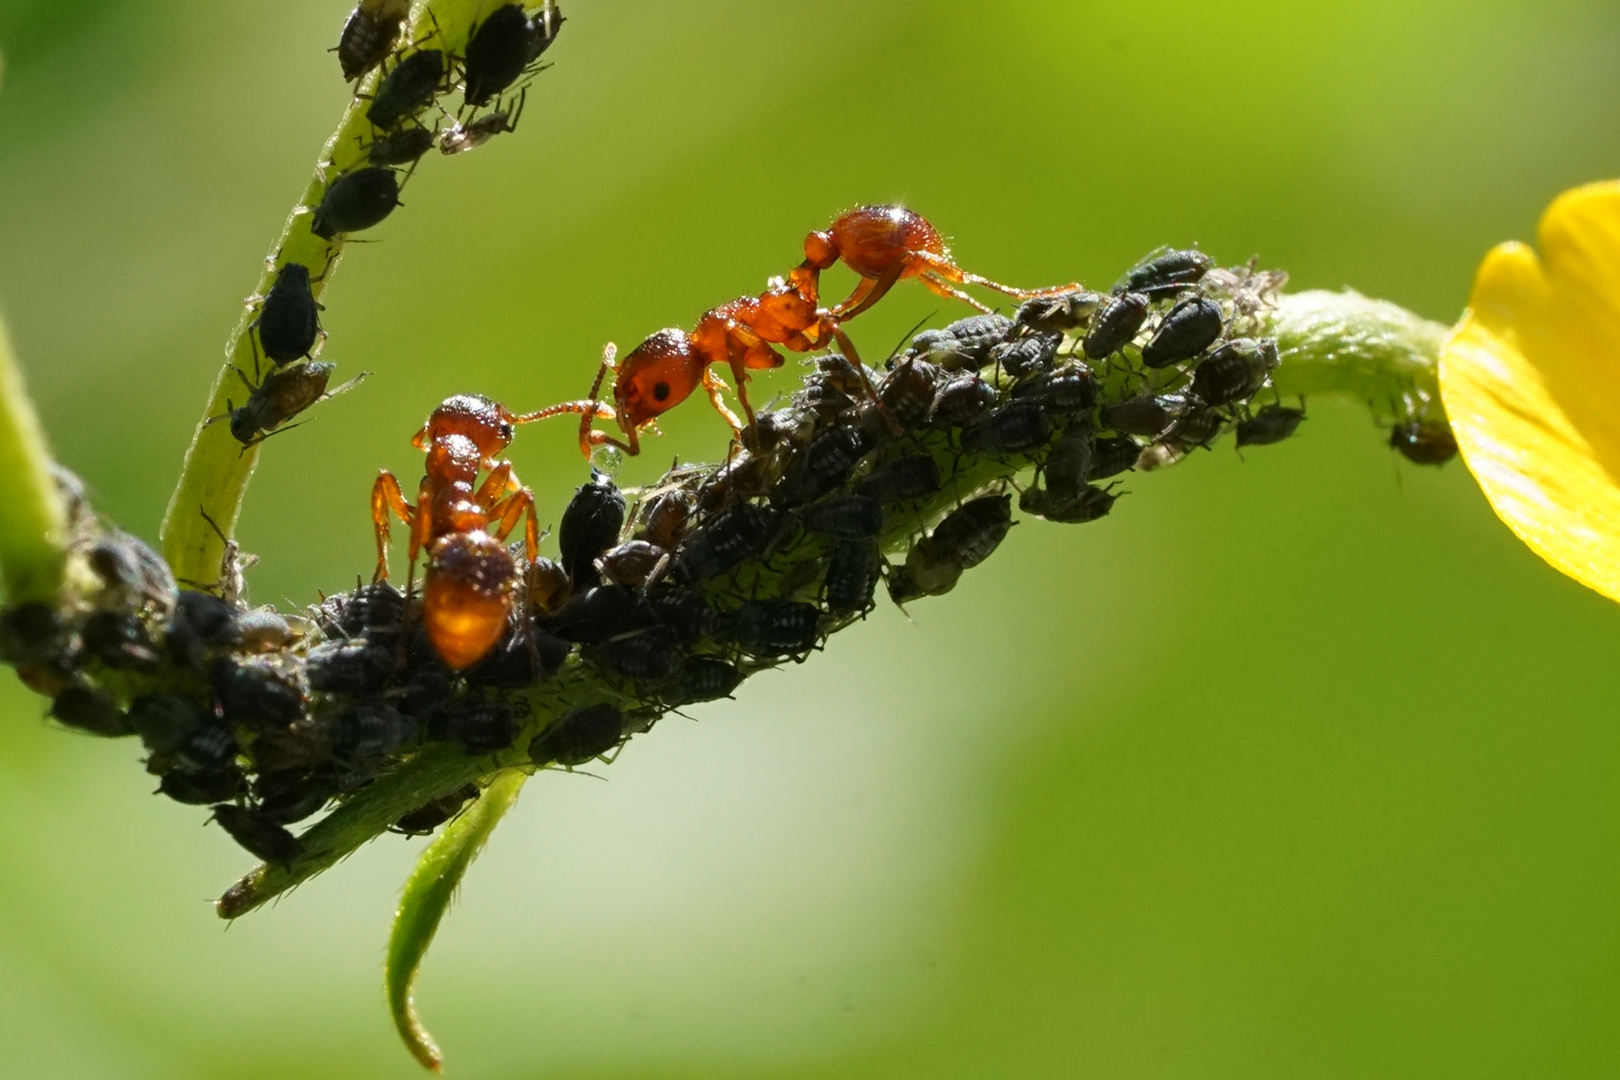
(427, 895)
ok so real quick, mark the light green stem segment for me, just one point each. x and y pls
(215, 475)
(33, 523)
(1343, 344)
(428, 894)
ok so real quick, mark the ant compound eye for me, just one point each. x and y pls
(661, 392)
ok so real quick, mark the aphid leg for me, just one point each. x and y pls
(386, 496)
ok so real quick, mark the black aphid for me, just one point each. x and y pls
(590, 526)
(1115, 325)
(289, 320)
(1187, 329)
(407, 89)
(1234, 371)
(580, 735)
(262, 838)
(356, 200)
(1271, 424)
(1166, 274)
(369, 35)
(1423, 442)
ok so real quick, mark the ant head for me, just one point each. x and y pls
(658, 375)
(487, 423)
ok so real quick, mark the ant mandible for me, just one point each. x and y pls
(467, 588)
(882, 244)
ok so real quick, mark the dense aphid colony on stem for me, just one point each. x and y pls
(658, 598)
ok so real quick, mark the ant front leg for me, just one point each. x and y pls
(518, 505)
(868, 292)
(387, 496)
(941, 272)
(715, 387)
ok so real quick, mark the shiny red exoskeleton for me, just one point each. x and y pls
(882, 244)
(462, 525)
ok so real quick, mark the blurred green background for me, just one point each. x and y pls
(1293, 766)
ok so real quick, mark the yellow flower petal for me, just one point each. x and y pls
(1531, 384)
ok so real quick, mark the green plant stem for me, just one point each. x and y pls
(214, 477)
(33, 523)
(1343, 344)
(427, 895)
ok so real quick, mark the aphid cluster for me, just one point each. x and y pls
(901, 479)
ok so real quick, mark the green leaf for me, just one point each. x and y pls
(428, 893)
(33, 529)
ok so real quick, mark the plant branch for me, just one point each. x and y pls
(33, 533)
(217, 468)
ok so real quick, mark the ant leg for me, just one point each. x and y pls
(949, 271)
(509, 511)
(386, 496)
(868, 292)
(940, 287)
(847, 347)
(497, 484)
(714, 385)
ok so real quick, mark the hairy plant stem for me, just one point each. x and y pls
(1332, 345)
(33, 534)
(214, 477)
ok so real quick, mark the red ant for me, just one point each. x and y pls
(882, 244)
(467, 590)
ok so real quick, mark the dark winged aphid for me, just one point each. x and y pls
(844, 517)
(1066, 311)
(1424, 443)
(590, 525)
(703, 678)
(961, 401)
(1032, 352)
(1068, 463)
(407, 89)
(262, 838)
(87, 710)
(902, 479)
(200, 789)
(254, 693)
(1011, 429)
(351, 667)
(401, 147)
(430, 815)
(369, 35)
(289, 320)
(1115, 325)
(775, 627)
(633, 563)
(1186, 330)
(852, 575)
(1235, 370)
(1272, 424)
(1166, 274)
(288, 795)
(132, 571)
(651, 654)
(526, 657)
(580, 735)
(1110, 457)
(1142, 415)
(479, 727)
(971, 532)
(664, 519)
(282, 395)
(1089, 505)
(356, 200)
(601, 612)
(120, 641)
(165, 721)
